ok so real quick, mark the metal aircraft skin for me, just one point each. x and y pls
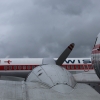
(21, 67)
(50, 81)
(95, 56)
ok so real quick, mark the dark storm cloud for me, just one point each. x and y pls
(42, 28)
(74, 7)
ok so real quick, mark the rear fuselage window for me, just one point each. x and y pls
(19, 67)
(28, 67)
(24, 67)
(15, 67)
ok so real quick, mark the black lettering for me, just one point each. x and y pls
(72, 61)
(78, 61)
(87, 61)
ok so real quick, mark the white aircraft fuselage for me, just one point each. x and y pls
(21, 67)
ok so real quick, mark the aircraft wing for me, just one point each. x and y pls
(11, 90)
(87, 77)
(11, 78)
(21, 90)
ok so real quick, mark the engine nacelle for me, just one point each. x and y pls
(54, 76)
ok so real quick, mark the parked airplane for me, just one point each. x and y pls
(50, 81)
(21, 67)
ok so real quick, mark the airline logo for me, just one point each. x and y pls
(8, 61)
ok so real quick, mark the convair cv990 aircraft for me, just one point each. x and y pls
(50, 81)
(21, 67)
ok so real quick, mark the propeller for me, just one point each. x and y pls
(65, 54)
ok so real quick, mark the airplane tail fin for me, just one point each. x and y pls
(61, 58)
(65, 54)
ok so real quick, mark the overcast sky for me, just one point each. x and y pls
(44, 28)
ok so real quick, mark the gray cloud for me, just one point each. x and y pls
(73, 7)
(44, 28)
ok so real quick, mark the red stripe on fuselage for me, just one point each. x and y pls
(95, 49)
(95, 52)
(96, 46)
(30, 67)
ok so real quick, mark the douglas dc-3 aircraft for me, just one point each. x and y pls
(51, 81)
